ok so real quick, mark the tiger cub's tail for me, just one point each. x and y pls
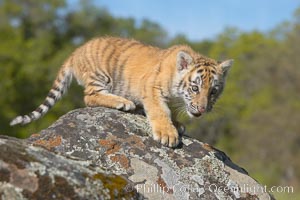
(60, 86)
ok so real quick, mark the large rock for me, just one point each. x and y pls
(29, 172)
(103, 148)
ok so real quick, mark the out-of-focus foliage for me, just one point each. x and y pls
(256, 121)
(36, 37)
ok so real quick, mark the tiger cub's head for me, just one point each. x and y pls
(201, 82)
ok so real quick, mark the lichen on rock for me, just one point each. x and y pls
(101, 153)
(30, 172)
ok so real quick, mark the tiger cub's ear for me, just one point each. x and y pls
(183, 60)
(225, 66)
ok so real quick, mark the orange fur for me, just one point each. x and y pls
(124, 73)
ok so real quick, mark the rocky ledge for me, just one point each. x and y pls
(101, 153)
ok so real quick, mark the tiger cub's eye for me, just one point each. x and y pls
(195, 88)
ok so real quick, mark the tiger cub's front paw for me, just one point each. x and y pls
(166, 134)
(125, 105)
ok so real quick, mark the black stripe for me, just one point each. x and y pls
(154, 85)
(200, 71)
(92, 55)
(130, 46)
(39, 110)
(154, 81)
(114, 67)
(197, 80)
(101, 79)
(127, 43)
(108, 60)
(56, 88)
(48, 104)
(51, 95)
(129, 80)
(104, 78)
(122, 42)
(86, 57)
(98, 74)
(120, 67)
(98, 49)
(107, 76)
(123, 63)
(114, 74)
(31, 116)
(180, 83)
(119, 41)
(101, 54)
(158, 69)
(99, 90)
(105, 48)
(119, 77)
(94, 84)
(98, 77)
(80, 58)
(94, 92)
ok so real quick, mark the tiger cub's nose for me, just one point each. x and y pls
(201, 109)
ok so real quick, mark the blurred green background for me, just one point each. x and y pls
(256, 121)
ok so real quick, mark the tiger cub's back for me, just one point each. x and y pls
(115, 65)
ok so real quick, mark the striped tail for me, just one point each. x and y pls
(60, 86)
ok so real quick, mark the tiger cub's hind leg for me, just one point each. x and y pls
(95, 98)
(97, 93)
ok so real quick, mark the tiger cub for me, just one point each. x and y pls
(124, 73)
